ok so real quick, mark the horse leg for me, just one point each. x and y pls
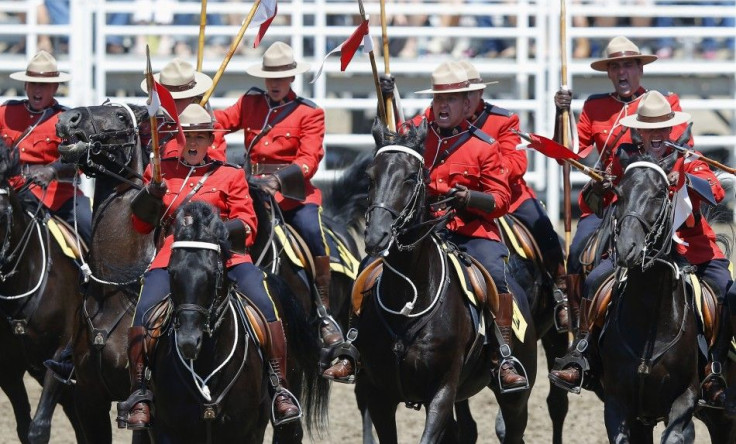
(361, 398)
(618, 423)
(680, 419)
(439, 415)
(383, 414)
(555, 345)
(467, 428)
(513, 416)
(644, 434)
(40, 428)
(11, 383)
(94, 413)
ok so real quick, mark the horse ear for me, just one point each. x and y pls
(627, 153)
(140, 112)
(380, 133)
(668, 162)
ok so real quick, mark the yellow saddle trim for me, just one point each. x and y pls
(463, 281)
(697, 295)
(69, 250)
(509, 234)
(518, 323)
(350, 264)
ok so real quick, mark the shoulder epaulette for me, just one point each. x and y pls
(477, 132)
(230, 164)
(13, 102)
(598, 96)
(493, 109)
(60, 107)
(307, 102)
(255, 90)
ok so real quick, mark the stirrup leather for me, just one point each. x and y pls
(560, 299)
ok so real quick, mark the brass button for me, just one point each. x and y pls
(439, 180)
(191, 185)
(465, 173)
(288, 135)
(265, 143)
(48, 139)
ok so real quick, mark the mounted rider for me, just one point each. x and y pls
(29, 125)
(465, 164)
(600, 126)
(284, 136)
(655, 121)
(195, 176)
(499, 123)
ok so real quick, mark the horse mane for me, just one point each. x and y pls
(346, 200)
(200, 221)
(9, 162)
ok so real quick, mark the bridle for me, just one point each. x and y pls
(659, 230)
(401, 219)
(213, 314)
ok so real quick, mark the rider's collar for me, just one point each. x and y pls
(289, 97)
(637, 94)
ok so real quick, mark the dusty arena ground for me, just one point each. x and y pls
(584, 424)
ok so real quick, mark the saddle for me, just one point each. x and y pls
(517, 237)
(705, 304)
(67, 238)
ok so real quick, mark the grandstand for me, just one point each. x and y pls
(528, 69)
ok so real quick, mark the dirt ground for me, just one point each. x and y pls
(583, 426)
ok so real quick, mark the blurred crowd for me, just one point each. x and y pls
(163, 13)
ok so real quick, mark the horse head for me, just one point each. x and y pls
(398, 181)
(196, 271)
(102, 139)
(643, 216)
(9, 168)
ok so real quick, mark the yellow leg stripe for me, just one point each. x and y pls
(270, 298)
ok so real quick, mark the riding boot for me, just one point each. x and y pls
(139, 416)
(508, 374)
(574, 286)
(713, 387)
(329, 331)
(284, 407)
(569, 370)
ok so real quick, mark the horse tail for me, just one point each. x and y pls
(722, 216)
(346, 199)
(305, 348)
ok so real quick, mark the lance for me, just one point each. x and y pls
(539, 145)
(230, 52)
(374, 69)
(200, 43)
(691, 153)
(389, 106)
(565, 133)
(156, 160)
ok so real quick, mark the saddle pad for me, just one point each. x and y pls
(66, 239)
(342, 261)
(285, 241)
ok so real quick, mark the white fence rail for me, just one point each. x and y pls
(528, 75)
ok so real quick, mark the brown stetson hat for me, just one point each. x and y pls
(621, 48)
(278, 63)
(42, 69)
(654, 111)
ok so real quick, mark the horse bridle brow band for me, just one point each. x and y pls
(196, 244)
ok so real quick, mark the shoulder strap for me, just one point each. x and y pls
(47, 113)
(452, 148)
(190, 195)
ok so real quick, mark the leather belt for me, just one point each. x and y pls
(258, 169)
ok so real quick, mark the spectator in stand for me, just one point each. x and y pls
(184, 46)
(154, 12)
(115, 44)
(406, 47)
(584, 47)
(709, 46)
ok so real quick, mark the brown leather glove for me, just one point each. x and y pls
(563, 98)
(157, 189)
(41, 175)
(460, 195)
(387, 82)
(268, 183)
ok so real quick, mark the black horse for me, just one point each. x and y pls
(39, 295)
(418, 338)
(209, 380)
(107, 142)
(649, 348)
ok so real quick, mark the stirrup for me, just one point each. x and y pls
(282, 391)
(575, 357)
(343, 350)
(327, 318)
(716, 374)
(124, 407)
(505, 351)
(58, 376)
(560, 304)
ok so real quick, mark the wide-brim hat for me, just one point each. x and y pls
(450, 77)
(181, 79)
(654, 111)
(42, 69)
(278, 62)
(474, 74)
(195, 118)
(621, 48)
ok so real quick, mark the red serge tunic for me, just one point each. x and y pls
(296, 136)
(226, 189)
(599, 124)
(700, 237)
(465, 159)
(498, 123)
(39, 147)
